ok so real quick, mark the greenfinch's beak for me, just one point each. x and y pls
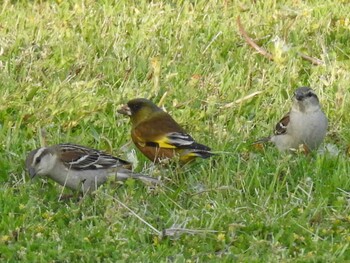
(125, 110)
(32, 172)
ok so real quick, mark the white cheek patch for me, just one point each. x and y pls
(46, 164)
(37, 155)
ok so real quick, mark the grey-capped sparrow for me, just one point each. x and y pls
(305, 124)
(78, 167)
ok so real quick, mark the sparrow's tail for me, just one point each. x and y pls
(124, 174)
(262, 140)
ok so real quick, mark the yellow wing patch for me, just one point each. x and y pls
(164, 143)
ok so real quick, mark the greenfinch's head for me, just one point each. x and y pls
(139, 109)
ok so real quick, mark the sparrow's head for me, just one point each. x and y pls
(305, 100)
(40, 161)
(139, 109)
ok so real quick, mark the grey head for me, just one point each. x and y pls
(40, 161)
(305, 100)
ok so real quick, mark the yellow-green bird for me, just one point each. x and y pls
(158, 136)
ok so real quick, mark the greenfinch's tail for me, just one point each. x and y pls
(196, 150)
(202, 154)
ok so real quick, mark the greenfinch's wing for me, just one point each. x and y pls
(162, 130)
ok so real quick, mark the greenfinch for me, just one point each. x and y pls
(158, 136)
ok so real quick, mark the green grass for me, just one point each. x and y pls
(65, 68)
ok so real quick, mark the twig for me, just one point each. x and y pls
(268, 55)
(212, 190)
(212, 41)
(347, 193)
(159, 233)
(162, 99)
(314, 61)
(250, 41)
(171, 232)
(229, 105)
(310, 232)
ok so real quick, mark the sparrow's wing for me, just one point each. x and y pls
(281, 126)
(78, 157)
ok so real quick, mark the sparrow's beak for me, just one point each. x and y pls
(125, 110)
(299, 95)
(32, 172)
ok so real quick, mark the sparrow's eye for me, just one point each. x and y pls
(37, 160)
(309, 94)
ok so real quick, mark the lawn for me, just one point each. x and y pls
(67, 66)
